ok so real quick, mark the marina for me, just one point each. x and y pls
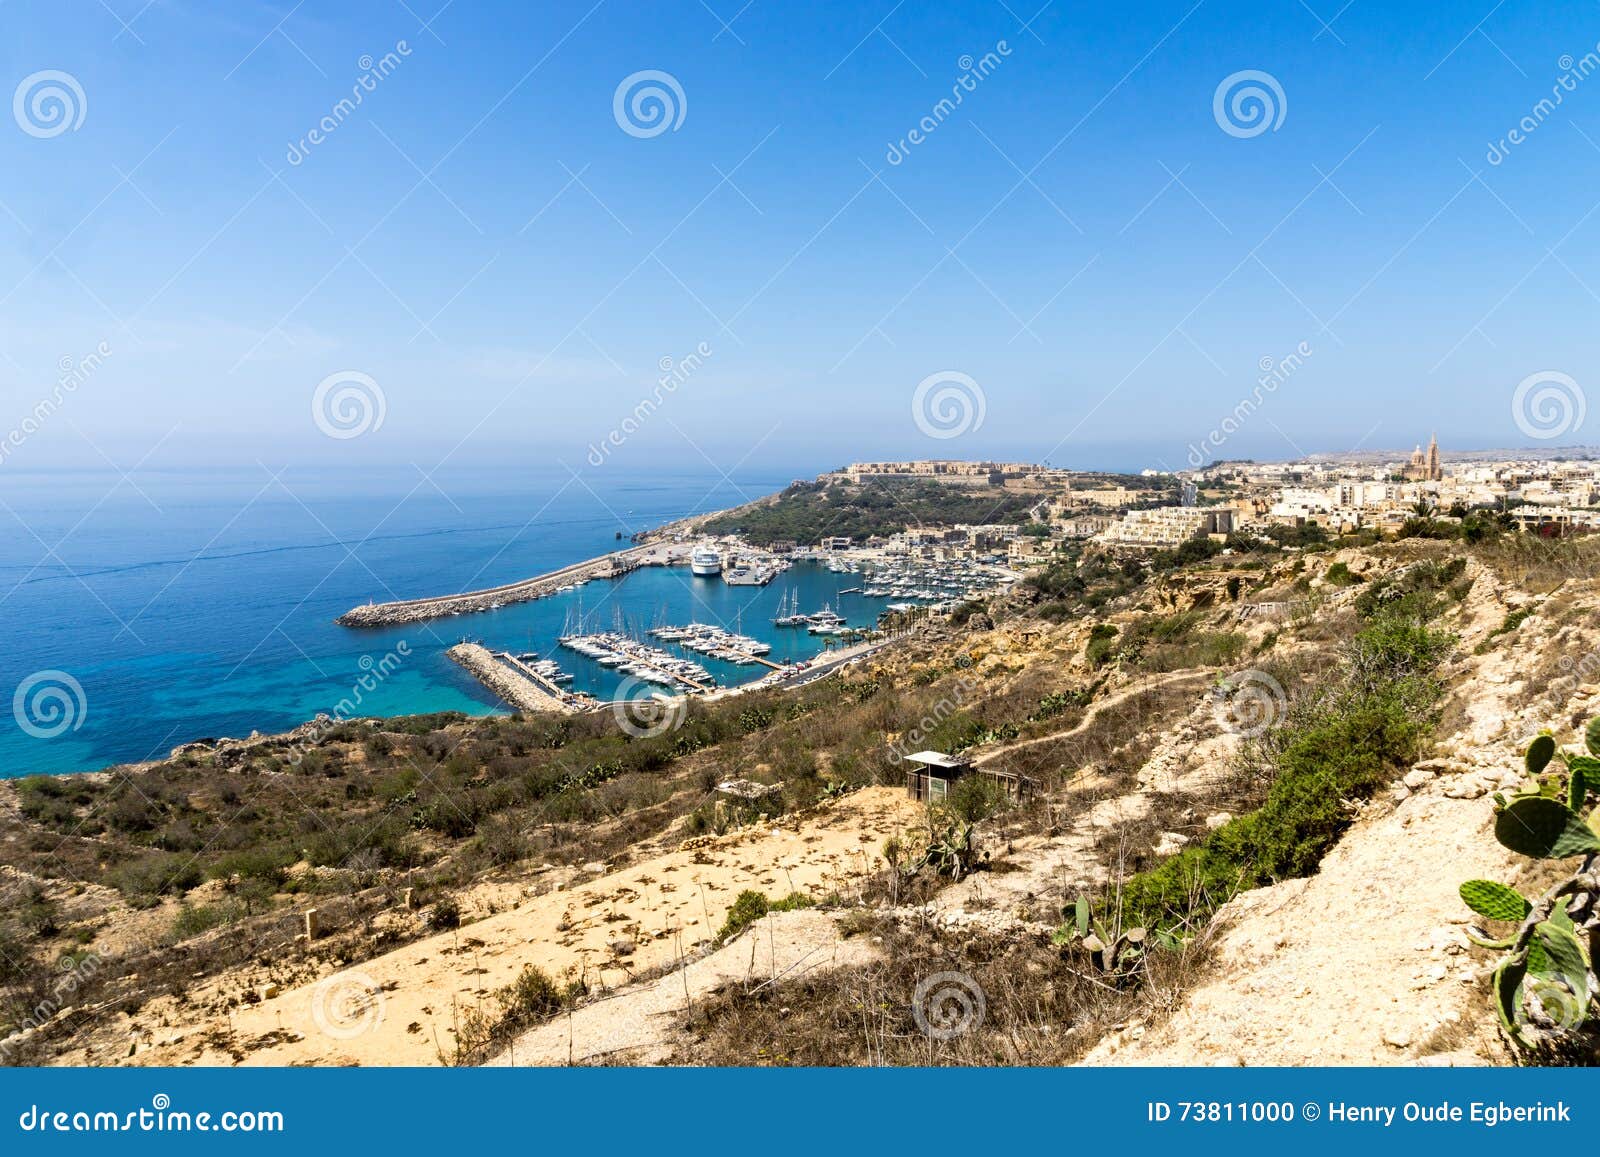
(671, 616)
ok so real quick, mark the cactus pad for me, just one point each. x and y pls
(1544, 829)
(1494, 901)
(1540, 752)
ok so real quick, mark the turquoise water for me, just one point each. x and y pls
(191, 605)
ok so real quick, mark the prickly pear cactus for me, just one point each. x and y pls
(1545, 990)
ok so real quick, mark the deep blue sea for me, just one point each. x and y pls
(189, 605)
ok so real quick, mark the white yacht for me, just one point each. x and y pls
(705, 561)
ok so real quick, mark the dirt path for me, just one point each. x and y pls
(1094, 711)
(633, 1026)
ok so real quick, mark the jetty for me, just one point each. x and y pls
(613, 565)
(514, 681)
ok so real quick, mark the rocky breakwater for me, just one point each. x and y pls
(488, 599)
(517, 690)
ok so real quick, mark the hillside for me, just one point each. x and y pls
(807, 511)
(1275, 765)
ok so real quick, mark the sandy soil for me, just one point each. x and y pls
(402, 1008)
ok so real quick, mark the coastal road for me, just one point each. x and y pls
(821, 668)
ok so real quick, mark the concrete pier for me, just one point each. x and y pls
(421, 610)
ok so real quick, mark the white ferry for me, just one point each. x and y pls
(705, 561)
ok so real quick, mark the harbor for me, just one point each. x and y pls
(708, 618)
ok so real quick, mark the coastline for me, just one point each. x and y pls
(657, 546)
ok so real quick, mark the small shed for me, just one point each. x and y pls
(932, 773)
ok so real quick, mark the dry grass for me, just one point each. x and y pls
(1040, 1007)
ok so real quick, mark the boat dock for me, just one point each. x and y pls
(631, 657)
(612, 565)
(718, 643)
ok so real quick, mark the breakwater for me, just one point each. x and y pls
(519, 689)
(468, 602)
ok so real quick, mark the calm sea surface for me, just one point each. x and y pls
(190, 605)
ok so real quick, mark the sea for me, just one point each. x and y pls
(145, 611)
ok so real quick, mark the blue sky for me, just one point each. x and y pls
(1081, 238)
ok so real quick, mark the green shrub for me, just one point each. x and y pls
(1099, 648)
(446, 914)
(192, 921)
(750, 906)
(145, 880)
(531, 997)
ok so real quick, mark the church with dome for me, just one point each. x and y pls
(1424, 467)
